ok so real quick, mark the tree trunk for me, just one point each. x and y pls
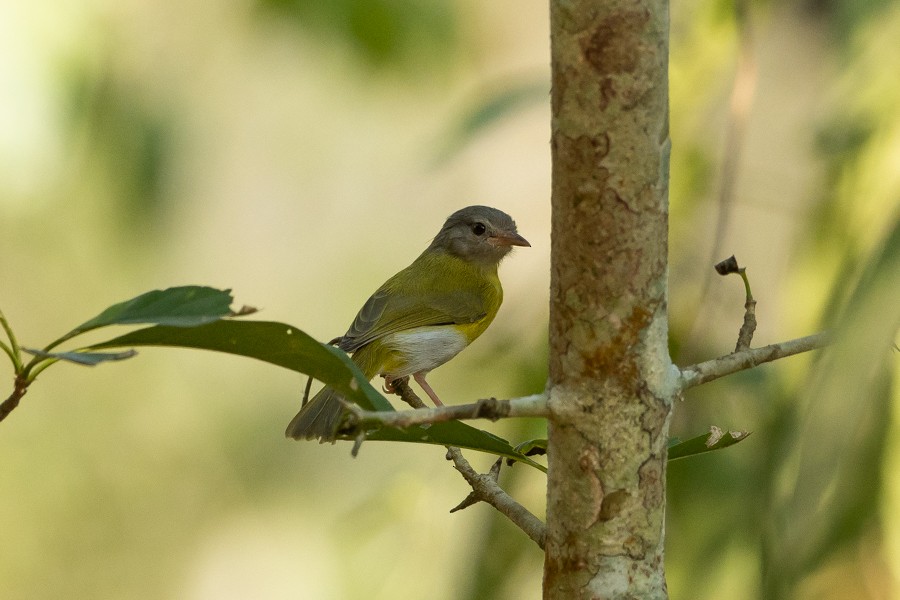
(611, 379)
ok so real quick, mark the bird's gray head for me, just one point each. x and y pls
(479, 233)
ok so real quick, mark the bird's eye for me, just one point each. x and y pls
(479, 228)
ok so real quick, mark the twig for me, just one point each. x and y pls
(489, 408)
(406, 393)
(745, 335)
(473, 497)
(486, 489)
(10, 404)
(747, 359)
(748, 327)
(484, 486)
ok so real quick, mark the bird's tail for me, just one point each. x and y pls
(320, 417)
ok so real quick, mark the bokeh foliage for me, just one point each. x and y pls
(803, 515)
(388, 34)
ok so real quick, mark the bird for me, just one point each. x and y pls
(424, 315)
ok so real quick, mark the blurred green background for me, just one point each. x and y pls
(300, 152)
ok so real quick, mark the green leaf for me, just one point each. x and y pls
(186, 306)
(716, 439)
(288, 347)
(454, 433)
(83, 358)
(274, 343)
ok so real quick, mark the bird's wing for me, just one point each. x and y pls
(396, 308)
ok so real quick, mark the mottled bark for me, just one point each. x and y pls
(611, 379)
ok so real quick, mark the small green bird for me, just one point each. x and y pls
(424, 315)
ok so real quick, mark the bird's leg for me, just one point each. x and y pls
(420, 379)
(388, 386)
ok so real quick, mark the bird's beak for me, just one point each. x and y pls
(508, 239)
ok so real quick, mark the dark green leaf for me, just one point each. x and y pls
(275, 343)
(84, 358)
(454, 433)
(716, 439)
(186, 306)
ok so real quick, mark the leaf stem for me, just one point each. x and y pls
(13, 350)
(8, 351)
(34, 368)
(743, 273)
(39, 363)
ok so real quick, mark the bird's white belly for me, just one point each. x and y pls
(422, 349)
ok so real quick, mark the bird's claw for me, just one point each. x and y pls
(389, 387)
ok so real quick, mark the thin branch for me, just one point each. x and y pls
(484, 486)
(473, 497)
(489, 408)
(748, 328)
(747, 359)
(10, 404)
(486, 489)
(406, 393)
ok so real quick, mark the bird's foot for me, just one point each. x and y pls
(389, 387)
